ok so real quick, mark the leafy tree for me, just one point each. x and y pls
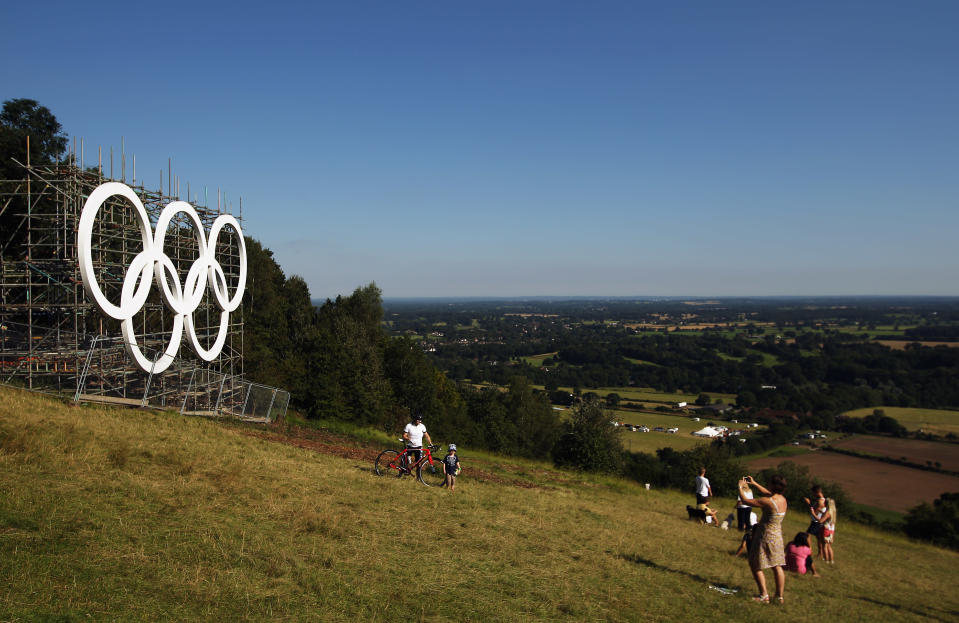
(590, 442)
(418, 387)
(702, 400)
(278, 319)
(537, 426)
(19, 119)
(938, 523)
(347, 360)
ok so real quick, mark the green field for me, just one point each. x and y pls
(935, 421)
(653, 440)
(883, 331)
(129, 515)
(640, 362)
(648, 394)
(768, 360)
(537, 360)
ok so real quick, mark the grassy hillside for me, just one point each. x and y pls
(128, 515)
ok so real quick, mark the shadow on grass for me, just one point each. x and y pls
(952, 615)
(639, 560)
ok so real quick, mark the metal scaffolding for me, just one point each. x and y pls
(53, 338)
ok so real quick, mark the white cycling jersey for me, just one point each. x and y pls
(415, 432)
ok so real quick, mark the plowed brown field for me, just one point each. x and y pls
(872, 482)
(913, 450)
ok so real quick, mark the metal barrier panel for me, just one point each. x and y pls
(214, 394)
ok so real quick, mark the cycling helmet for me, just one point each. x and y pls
(418, 418)
(452, 447)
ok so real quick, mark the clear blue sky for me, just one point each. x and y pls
(535, 148)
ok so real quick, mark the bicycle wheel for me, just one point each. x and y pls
(387, 464)
(431, 475)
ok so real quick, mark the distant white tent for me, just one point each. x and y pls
(708, 432)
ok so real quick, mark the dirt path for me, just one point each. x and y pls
(326, 442)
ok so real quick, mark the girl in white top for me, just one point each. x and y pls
(828, 529)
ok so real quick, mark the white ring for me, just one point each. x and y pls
(153, 264)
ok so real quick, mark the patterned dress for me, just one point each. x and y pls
(766, 548)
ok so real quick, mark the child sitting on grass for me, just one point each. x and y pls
(710, 514)
(799, 556)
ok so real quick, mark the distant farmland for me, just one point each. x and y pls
(872, 482)
(912, 450)
(936, 421)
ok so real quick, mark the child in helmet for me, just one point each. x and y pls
(452, 464)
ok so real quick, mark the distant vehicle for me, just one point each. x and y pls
(734, 421)
(659, 429)
(795, 443)
(695, 419)
(672, 430)
(642, 429)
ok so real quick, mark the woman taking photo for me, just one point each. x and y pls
(766, 549)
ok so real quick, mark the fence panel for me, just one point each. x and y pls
(214, 394)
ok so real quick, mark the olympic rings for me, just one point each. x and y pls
(152, 264)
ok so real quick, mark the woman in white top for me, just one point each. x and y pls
(743, 510)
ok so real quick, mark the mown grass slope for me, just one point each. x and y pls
(127, 515)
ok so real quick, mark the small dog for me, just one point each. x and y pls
(728, 522)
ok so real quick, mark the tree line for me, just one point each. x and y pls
(339, 363)
(822, 372)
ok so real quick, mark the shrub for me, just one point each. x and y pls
(590, 443)
(938, 523)
(799, 484)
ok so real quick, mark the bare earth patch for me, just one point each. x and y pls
(872, 482)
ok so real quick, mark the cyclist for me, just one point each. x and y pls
(413, 436)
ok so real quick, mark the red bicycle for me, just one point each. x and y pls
(392, 463)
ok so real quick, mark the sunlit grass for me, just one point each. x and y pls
(135, 515)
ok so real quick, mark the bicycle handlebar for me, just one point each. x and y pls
(435, 446)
